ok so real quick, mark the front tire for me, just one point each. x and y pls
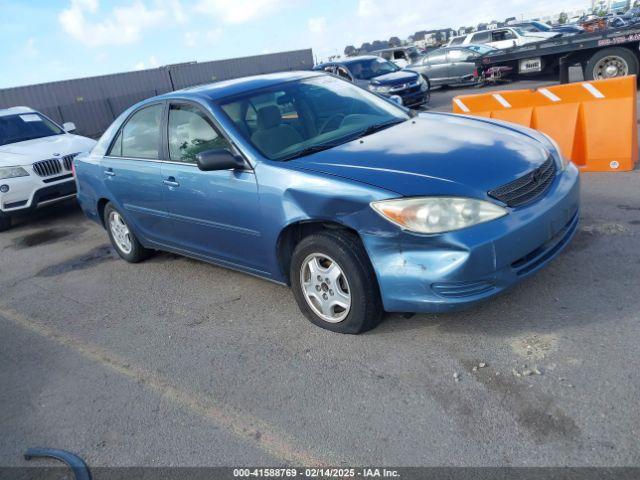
(122, 237)
(5, 224)
(334, 284)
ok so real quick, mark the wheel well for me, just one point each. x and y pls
(101, 204)
(294, 233)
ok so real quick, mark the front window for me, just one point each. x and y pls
(298, 118)
(371, 68)
(26, 126)
(191, 133)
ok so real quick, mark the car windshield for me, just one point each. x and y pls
(26, 126)
(298, 118)
(371, 68)
(481, 49)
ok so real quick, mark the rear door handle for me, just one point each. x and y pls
(109, 172)
(171, 182)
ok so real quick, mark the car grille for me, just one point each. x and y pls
(53, 166)
(47, 168)
(67, 161)
(526, 189)
(406, 88)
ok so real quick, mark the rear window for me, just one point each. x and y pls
(457, 41)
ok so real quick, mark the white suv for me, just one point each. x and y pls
(36, 161)
(506, 37)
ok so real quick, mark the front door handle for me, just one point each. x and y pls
(109, 172)
(171, 182)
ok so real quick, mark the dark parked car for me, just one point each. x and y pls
(358, 204)
(534, 26)
(382, 77)
(453, 65)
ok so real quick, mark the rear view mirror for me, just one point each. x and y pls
(223, 159)
(69, 127)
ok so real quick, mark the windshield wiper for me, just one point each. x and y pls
(370, 130)
(309, 150)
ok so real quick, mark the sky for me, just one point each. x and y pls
(48, 40)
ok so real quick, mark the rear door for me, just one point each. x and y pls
(503, 38)
(214, 214)
(132, 173)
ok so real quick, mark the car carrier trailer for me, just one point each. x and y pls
(604, 54)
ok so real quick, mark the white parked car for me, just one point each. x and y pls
(507, 37)
(36, 157)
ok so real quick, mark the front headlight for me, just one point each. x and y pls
(12, 172)
(422, 82)
(557, 153)
(379, 89)
(437, 214)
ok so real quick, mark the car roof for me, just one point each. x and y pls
(392, 49)
(228, 88)
(348, 61)
(15, 111)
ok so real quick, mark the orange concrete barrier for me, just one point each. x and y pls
(594, 123)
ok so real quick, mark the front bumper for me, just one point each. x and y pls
(439, 273)
(25, 196)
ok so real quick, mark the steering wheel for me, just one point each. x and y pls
(332, 118)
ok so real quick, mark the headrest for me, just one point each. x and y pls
(269, 117)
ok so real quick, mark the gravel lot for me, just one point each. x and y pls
(176, 362)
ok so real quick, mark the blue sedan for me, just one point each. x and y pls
(359, 205)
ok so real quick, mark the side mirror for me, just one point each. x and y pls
(396, 99)
(223, 159)
(69, 127)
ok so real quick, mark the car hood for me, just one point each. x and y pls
(395, 78)
(25, 153)
(435, 154)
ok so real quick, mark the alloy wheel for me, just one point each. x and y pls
(325, 287)
(120, 232)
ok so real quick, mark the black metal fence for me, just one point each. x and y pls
(93, 103)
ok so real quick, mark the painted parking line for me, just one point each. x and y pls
(244, 426)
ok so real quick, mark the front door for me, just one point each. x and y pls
(437, 67)
(214, 214)
(132, 174)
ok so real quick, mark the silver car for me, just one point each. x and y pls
(452, 65)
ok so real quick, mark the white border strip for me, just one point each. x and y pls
(501, 100)
(461, 105)
(593, 90)
(549, 94)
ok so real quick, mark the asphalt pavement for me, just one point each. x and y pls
(177, 362)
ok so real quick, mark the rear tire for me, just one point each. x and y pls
(5, 224)
(122, 237)
(611, 63)
(331, 252)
